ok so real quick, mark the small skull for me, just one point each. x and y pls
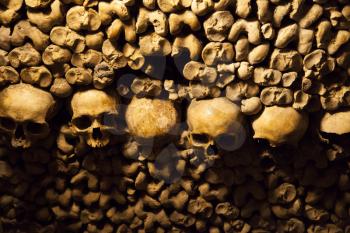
(95, 116)
(24, 111)
(280, 125)
(215, 122)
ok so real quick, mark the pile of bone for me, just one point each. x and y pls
(253, 190)
(291, 53)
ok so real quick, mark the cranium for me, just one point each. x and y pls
(152, 119)
(152, 123)
(95, 115)
(215, 122)
(24, 111)
(280, 125)
(336, 122)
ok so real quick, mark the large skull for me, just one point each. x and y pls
(24, 111)
(215, 123)
(95, 116)
(280, 125)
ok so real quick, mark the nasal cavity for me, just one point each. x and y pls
(96, 133)
(212, 150)
(19, 133)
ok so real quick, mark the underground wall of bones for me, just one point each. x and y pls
(169, 116)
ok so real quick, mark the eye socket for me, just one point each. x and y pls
(230, 142)
(212, 150)
(82, 122)
(36, 128)
(225, 140)
(110, 119)
(7, 123)
(200, 138)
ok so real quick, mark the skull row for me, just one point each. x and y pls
(96, 119)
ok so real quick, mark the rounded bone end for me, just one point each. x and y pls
(336, 123)
(280, 125)
(151, 118)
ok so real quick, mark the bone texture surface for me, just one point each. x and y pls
(174, 116)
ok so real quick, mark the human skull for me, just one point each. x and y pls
(280, 125)
(152, 119)
(334, 129)
(215, 123)
(336, 122)
(24, 111)
(95, 116)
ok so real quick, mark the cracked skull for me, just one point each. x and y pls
(95, 116)
(24, 111)
(215, 123)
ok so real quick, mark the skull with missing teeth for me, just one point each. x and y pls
(215, 123)
(95, 116)
(24, 111)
